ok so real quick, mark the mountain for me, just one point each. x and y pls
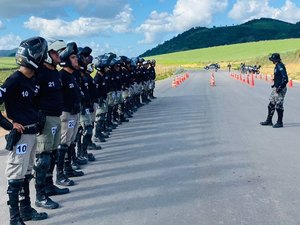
(8, 53)
(202, 37)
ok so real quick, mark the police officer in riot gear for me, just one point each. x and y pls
(118, 109)
(50, 102)
(111, 95)
(18, 94)
(278, 92)
(145, 76)
(126, 83)
(152, 78)
(70, 115)
(86, 83)
(101, 90)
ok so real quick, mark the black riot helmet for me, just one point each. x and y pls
(98, 63)
(275, 57)
(84, 57)
(32, 52)
(86, 51)
(71, 49)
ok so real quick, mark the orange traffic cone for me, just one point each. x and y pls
(252, 80)
(212, 80)
(174, 83)
(177, 81)
(290, 83)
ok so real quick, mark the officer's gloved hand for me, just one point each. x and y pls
(272, 86)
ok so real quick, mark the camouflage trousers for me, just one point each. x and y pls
(277, 99)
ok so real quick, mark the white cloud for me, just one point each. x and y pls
(9, 42)
(83, 26)
(186, 14)
(1, 24)
(244, 10)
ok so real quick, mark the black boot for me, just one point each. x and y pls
(51, 189)
(98, 134)
(68, 170)
(94, 146)
(271, 110)
(123, 118)
(26, 211)
(61, 179)
(42, 165)
(85, 143)
(151, 94)
(127, 110)
(13, 190)
(81, 160)
(109, 122)
(279, 120)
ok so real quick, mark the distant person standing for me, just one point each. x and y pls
(278, 92)
(229, 67)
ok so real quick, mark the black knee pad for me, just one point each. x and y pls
(43, 162)
(88, 131)
(62, 148)
(14, 185)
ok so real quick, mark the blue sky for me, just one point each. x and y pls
(128, 27)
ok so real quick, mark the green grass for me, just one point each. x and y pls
(8, 63)
(229, 53)
(7, 66)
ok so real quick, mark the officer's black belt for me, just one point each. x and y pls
(30, 129)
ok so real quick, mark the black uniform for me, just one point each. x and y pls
(280, 76)
(50, 99)
(71, 92)
(18, 93)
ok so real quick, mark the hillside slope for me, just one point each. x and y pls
(254, 30)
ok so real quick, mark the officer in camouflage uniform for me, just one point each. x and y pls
(278, 92)
(19, 96)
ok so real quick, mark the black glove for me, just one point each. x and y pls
(273, 86)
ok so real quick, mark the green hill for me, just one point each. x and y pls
(8, 53)
(250, 53)
(254, 30)
(229, 53)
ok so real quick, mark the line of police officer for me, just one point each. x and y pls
(56, 116)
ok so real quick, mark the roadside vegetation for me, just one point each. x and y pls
(249, 53)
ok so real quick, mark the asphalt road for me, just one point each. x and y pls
(194, 156)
